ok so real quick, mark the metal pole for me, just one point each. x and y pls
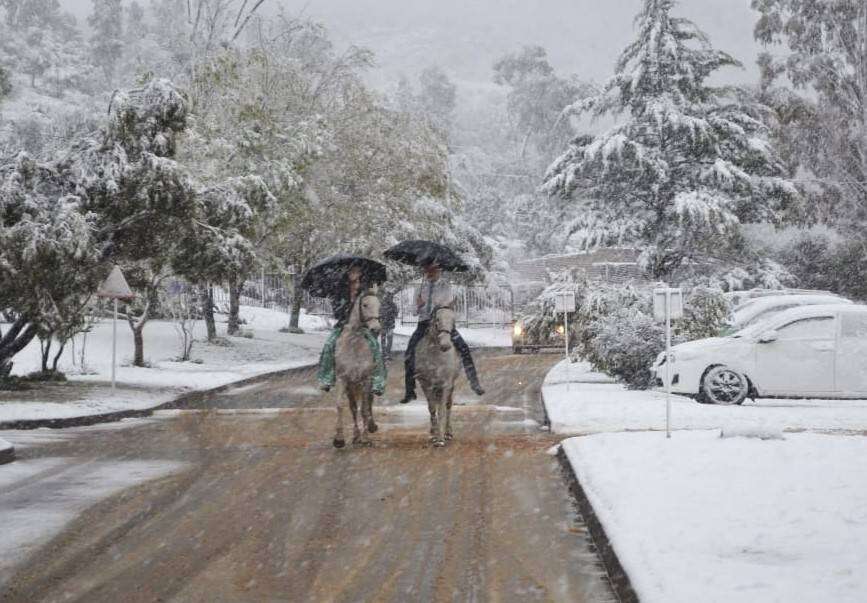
(114, 346)
(668, 363)
(566, 332)
(263, 287)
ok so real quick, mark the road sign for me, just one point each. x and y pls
(671, 298)
(564, 301)
(115, 287)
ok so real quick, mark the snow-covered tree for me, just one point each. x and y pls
(49, 258)
(536, 98)
(436, 98)
(106, 41)
(685, 162)
(821, 47)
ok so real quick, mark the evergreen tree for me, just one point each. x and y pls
(107, 39)
(686, 162)
(824, 50)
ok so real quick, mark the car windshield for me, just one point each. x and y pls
(753, 330)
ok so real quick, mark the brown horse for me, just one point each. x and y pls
(354, 366)
(437, 368)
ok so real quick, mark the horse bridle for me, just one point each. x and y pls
(361, 318)
(436, 322)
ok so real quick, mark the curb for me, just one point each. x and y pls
(7, 455)
(111, 417)
(618, 578)
(545, 417)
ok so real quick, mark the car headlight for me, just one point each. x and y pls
(561, 329)
(518, 329)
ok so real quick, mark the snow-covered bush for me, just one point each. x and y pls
(625, 344)
(613, 326)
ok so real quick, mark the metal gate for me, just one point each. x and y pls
(475, 306)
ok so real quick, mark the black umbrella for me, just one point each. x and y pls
(326, 277)
(419, 253)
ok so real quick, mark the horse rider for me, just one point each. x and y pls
(387, 317)
(353, 284)
(435, 292)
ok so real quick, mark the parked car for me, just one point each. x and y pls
(738, 298)
(815, 351)
(760, 308)
(538, 335)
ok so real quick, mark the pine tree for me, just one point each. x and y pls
(686, 162)
(107, 39)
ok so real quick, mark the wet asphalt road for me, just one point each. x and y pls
(265, 509)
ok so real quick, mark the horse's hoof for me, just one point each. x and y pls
(339, 442)
(372, 427)
(439, 443)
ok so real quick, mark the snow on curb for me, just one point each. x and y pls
(699, 517)
(579, 401)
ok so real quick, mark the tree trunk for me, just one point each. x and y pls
(234, 326)
(57, 357)
(45, 345)
(138, 343)
(207, 295)
(15, 340)
(297, 300)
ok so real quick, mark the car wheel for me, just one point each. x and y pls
(723, 385)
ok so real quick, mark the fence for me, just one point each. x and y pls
(475, 306)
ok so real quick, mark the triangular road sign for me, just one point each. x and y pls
(115, 286)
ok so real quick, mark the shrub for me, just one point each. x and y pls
(626, 343)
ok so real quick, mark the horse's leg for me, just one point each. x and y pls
(431, 407)
(353, 406)
(339, 440)
(440, 438)
(372, 427)
(448, 397)
(364, 393)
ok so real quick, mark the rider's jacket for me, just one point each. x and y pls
(433, 294)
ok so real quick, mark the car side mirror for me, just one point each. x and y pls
(768, 337)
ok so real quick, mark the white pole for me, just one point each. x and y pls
(114, 346)
(566, 332)
(668, 363)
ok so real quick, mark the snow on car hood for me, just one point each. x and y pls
(701, 345)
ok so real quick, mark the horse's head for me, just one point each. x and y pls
(442, 325)
(368, 311)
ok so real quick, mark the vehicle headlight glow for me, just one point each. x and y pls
(518, 329)
(561, 329)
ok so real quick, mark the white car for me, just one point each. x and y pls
(760, 308)
(804, 352)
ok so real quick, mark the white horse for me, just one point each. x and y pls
(354, 366)
(437, 369)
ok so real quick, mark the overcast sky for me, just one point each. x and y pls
(466, 36)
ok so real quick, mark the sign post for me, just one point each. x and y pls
(667, 306)
(115, 287)
(565, 302)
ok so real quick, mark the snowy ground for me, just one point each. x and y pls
(232, 359)
(40, 496)
(700, 518)
(235, 358)
(579, 401)
(704, 518)
(482, 337)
